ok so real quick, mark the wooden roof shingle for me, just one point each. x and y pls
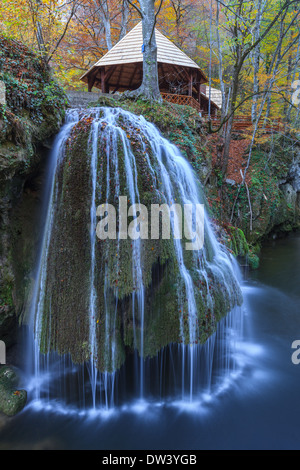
(129, 50)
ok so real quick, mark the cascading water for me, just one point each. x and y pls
(36, 304)
(92, 310)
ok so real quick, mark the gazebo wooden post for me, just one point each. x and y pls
(191, 84)
(103, 89)
(91, 81)
(134, 72)
(199, 95)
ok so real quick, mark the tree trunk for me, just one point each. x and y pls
(232, 106)
(150, 87)
(34, 7)
(125, 13)
(256, 54)
(288, 78)
(107, 33)
(104, 17)
(222, 85)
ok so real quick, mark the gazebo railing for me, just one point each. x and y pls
(181, 99)
(239, 123)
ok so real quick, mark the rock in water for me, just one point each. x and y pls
(12, 401)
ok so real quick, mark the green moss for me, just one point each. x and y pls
(253, 260)
(6, 288)
(12, 401)
(237, 241)
(181, 125)
(33, 113)
(106, 101)
(31, 92)
(162, 326)
(35, 105)
(67, 304)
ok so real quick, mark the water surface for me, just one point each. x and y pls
(256, 409)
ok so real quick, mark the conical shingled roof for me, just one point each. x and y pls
(129, 50)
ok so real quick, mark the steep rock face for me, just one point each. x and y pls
(294, 172)
(31, 111)
(269, 205)
(277, 202)
(291, 185)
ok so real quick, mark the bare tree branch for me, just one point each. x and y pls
(136, 7)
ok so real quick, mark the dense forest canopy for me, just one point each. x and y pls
(73, 34)
(250, 50)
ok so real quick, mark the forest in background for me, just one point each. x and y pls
(247, 48)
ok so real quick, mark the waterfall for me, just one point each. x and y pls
(37, 298)
(95, 300)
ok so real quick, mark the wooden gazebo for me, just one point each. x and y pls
(121, 68)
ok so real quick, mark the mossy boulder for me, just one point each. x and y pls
(33, 111)
(237, 241)
(12, 400)
(123, 161)
(107, 101)
(180, 124)
(253, 260)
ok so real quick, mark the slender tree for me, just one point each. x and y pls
(277, 59)
(124, 21)
(42, 26)
(102, 10)
(241, 49)
(256, 58)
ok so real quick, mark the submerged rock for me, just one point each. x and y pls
(12, 400)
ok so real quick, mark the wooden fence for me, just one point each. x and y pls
(244, 123)
(240, 123)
